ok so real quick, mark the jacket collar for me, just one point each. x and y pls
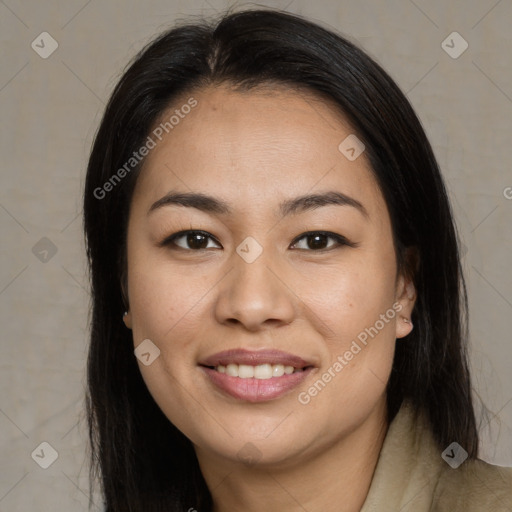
(408, 467)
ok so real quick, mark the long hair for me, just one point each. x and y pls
(146, 464)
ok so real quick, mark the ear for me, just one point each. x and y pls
(127, 319)
(406, 295)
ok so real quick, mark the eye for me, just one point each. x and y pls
(317, 240)
(196, 240)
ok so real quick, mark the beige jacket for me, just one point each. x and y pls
(412, 476)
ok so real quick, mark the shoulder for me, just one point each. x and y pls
(473, 487)
(412, 475)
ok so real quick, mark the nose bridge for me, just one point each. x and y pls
(253, 292)
(252, 275)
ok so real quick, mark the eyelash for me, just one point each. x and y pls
(341, 240)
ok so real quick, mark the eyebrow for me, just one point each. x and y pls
(209, 204)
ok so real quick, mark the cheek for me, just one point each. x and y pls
(349, 296)
(169, 308)
(353, 305)
(164, 299)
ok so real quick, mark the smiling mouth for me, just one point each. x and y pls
(255, 375)
(261, 371)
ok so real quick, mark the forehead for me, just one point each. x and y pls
(260, 144)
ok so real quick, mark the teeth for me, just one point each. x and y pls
(245, 371)
(232, 370)
(277, 370)
(262, 371)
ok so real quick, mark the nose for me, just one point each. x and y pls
(256, 295)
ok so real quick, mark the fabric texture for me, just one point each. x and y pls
(412, 476)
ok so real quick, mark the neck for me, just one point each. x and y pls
(337, 478)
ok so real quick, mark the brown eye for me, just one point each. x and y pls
(318, 240)
(189, 240)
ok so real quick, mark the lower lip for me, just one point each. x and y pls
(256, 390)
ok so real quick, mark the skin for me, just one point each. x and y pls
(253, 150)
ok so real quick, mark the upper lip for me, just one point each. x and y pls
(254, 358)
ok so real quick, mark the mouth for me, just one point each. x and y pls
(255, 376)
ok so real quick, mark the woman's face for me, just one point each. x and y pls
(253, 290)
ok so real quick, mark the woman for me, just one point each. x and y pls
(237, 363)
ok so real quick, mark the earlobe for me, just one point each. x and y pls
(407, 299)
(404, 327)
(127, 319)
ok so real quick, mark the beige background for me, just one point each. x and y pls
(50, 111)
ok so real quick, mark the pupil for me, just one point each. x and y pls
(194, 240)
(316, 244)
